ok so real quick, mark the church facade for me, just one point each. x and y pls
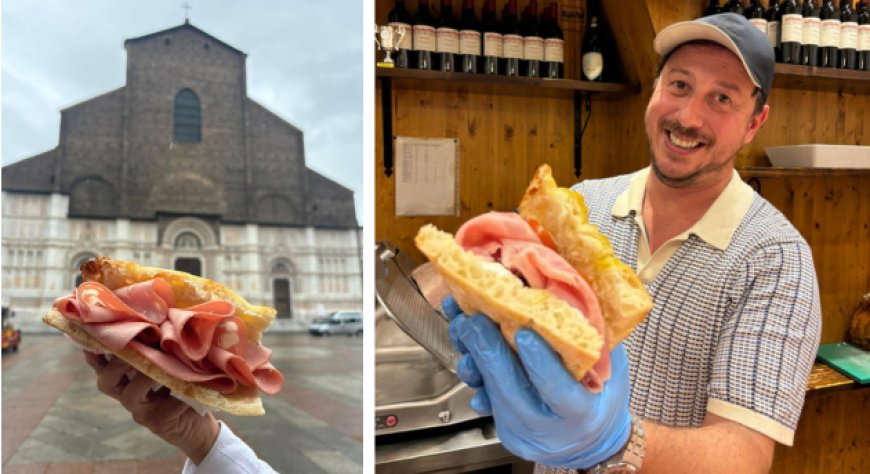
(180, 169)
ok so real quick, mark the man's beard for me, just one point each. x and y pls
(692, 134)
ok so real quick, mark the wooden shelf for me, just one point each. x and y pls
(504, 85)
(773, 172)
(791, 76)
(580, 92)
(825, 379)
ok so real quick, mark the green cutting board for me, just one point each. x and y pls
(852, 361)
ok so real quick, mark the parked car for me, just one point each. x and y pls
(339, 322)
(11, 335)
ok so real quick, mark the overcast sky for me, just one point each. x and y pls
(304, 63)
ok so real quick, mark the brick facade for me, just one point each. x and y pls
(243, 190)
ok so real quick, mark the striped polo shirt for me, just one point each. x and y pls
(736, 321)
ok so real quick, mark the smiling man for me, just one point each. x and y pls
(716, 374)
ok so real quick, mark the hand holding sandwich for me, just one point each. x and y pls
(542, 413)
(170, 419)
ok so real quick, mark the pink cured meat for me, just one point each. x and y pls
(506, 237)
(143, 317)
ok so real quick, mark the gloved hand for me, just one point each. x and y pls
(541, 413)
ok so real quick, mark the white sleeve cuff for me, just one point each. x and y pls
(751, 419)
(228, 455)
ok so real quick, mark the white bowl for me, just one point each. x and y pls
(819, 156)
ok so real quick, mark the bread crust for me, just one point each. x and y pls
(623, 297)
(477, 286)
(189, 290)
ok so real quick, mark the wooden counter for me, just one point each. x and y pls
(833, 434)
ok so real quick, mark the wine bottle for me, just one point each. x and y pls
(772, 16)
(493, 50)
(400, 18)
(864, 35)
(755, 14)
(733, 6)
(713, 8)
(533, 42)
(829, 36)
(810, 34)
(469, 38)
(848, 35)
(592, 54)
(512, 39)
(790, 32)
(447, 38)
(424, 35)
(554, 44)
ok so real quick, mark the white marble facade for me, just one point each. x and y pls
(42, 249)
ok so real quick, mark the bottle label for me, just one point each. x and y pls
(513, 46)
(554, 50)
(469, 42)
(759, 23)
(447, 40)
(407, 40)
(830, 34)
(533, 48)
(792, 28)
(773, 34)
(593, 64)
(864, 37)
(493, 45)
(424, 38)
(811, 31)
(849, 35)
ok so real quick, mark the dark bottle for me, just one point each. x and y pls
(512, 39)
(733, 6)
(469, 39)
(772, 16)
(713, 8)
(829, 36)
(400, 19)
(554, 44)
(848, 35)
(591, 52)
(810, 34)
(424, 35)
(790, 31)
(493, 49)
(533, 42)
(864, 35)
(755, 14)
(447, 38)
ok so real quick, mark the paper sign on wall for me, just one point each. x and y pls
(427, 176)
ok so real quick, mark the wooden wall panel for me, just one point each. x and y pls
(832, 212)
(502, 138)
(832, 435)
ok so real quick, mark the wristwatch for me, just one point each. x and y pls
(630, 458)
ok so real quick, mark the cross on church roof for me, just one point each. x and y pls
(186, 8)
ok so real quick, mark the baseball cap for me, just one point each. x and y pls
(731, 31)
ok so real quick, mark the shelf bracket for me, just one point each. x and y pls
(581, 100)
(387, 123)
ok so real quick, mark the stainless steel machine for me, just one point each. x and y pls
(415, 383)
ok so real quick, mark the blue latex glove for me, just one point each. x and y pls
(541, 413)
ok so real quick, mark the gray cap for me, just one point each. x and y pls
(733, 32)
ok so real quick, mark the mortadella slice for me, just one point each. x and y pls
(506, 237)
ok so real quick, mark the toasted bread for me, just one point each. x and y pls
(491, 289)
(623, 297)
